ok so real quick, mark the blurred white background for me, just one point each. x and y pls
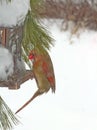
(74, 105)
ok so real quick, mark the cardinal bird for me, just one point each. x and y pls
(43, 74)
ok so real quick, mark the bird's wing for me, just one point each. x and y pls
(49, 71)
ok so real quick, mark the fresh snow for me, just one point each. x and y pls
(74, 105)
(13, 13)
(6, 63)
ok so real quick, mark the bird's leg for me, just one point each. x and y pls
(37, 93)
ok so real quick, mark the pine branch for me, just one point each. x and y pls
(7, 118)
(35, 36)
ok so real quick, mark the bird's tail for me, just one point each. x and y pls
(37, 93)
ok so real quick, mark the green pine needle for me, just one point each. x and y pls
(7, 118)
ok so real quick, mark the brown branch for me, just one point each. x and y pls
(16, 80)
(82, 11)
